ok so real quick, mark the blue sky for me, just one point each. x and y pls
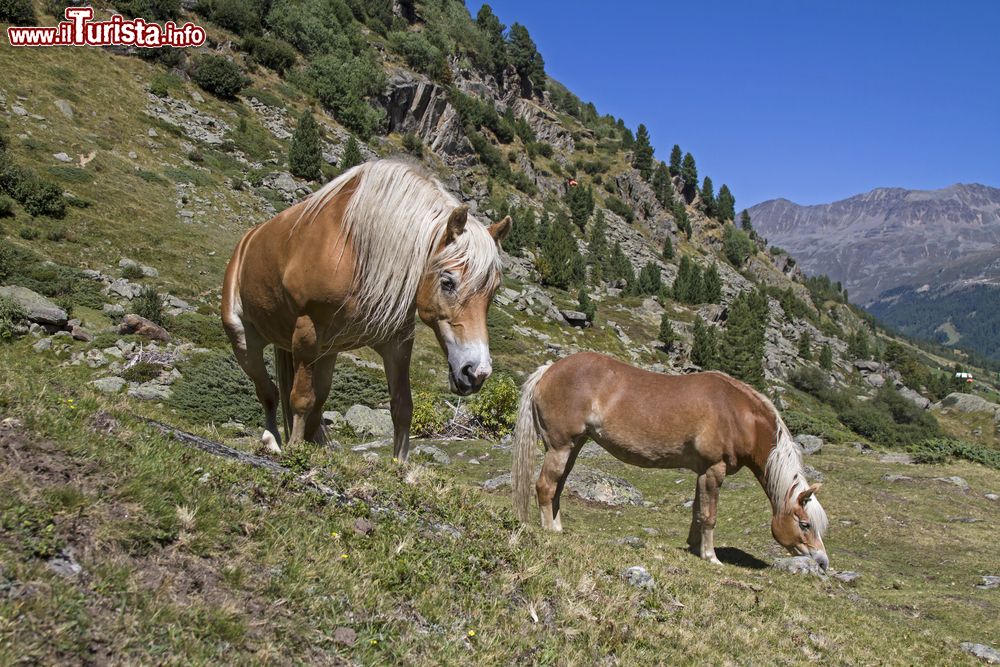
(808, 100)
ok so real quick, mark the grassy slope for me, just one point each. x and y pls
(240, 566)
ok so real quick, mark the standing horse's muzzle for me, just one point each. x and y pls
(468, 368)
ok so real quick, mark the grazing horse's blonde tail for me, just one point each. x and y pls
(525, 442)
(284, 369)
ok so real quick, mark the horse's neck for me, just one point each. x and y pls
(758, 464)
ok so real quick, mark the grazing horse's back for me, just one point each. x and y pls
(707, 422)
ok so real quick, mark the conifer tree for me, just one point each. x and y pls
(668, 248)
(689, 176)
(621, 268)
(352, 155)
(580, 201)
(597, 248)
(681, 218)
(493, 29)
(708, 197)
(543, 229)
(805, 346)
(858, 345)
(675, 160)
(561, 263)
(642, 154)
(585, 304)
(526, 59)
(826, 357)
(725, 204)
(523, 233)
(705, 347)
(742, 349)
(305, 155)
(667, 334)
(662, 187)
(688, 285)
(711, 285)
(745, 223)
(650, 280)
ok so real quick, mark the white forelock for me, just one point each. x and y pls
(785, 475)
(394, 220)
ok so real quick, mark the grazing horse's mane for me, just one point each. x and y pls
(395, 218)
(784, 474)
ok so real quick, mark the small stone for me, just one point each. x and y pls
(810, 444)
(113, 310)
(639, 577)
(689, 503)
(150, 392)
(897, 478)
(798, 565)
(151, 132)
(345, 637)
(986, 653)
(631, 541)
(363, 527)
(333, 419)
(62, 157)
(79, 333)
(368, 422)
(992, 496)
(575, 318)
(954, 480)
(140, 326)
(196, 96)
(990, 582)
(64, 108)
(38, 308)
(43, 345)
(896, 457)
(847, 576)
(437, 455)
(18, 110)
(65, 564)
(133, 155)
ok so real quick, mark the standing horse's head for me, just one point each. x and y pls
(455, 294)
(799, 524)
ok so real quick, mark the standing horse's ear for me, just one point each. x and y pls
(808, 493)
(456, 222)
(500, 230)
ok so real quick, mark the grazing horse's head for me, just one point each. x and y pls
(455, 294)
(799, 524)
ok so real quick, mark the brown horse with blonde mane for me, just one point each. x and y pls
(347, 268)
(707, 422)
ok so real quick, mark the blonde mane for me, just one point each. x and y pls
(784, 474)
(394, 220)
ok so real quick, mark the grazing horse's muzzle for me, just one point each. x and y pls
(821, 559)
(468, 368)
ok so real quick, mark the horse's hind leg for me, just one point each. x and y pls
(248, 346)
(556, 466)
(701, 537)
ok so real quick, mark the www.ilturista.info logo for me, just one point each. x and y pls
(79, 30)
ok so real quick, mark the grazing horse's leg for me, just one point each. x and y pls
(556, 466)
(322, 377)
(248, 347)
(302, 399)
(396, 360)
(705, 506)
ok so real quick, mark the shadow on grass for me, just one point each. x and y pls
(734, 556)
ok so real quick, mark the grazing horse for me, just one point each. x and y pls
(707, 422)
(347, 268)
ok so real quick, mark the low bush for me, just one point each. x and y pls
(616, 205)
(38, 196)
(420, 54)
(6, 206)
(149, 305)
(213, 389)
(495, 407)
(429, 415)
(17, 12)
(202, 330)
(153, 10)
(272, 53)
(343, 84)
(939, 450)
(11, 314)
(353, 384)
(218, 76)
(144, 371)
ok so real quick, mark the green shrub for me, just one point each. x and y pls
(939, 450)
(149, 305)
(616, 205)
(412, 144)
(39, 197)
(6, 206)
(17, 12)
(271, 53)
(213, 389)
(810, 380)
(132, 272)
(28, 233)
(218, 76)
(737, 245)
(144, 371)
(11, 314)
(343, 85)
(495, 407)
(420, 54)
(153, 10)
(241, 16)
(429, 416)
(539, 148)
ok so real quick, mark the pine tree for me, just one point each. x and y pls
(726, 204)
(805, 346)
(352, 155)
(688, 286)
(662, 187)
(745, 221)
(642, 154)
(493, 29)
(650, 280)
(544, 225)
(621, 268)
(305, 155)
(826, 357)
(580, 201)
(682, 220)
(524, 232)
(675, 160)
(667, 334)
(705, 347)
(526, 59)
(586, 305)
(742, 349)
(560, 262)
(689, 176)
(597, 248)
(858, 346)
(711, 285)
(668, 248)
(708, 197)
(628, 139)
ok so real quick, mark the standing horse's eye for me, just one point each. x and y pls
(804, 525)
(448, 283)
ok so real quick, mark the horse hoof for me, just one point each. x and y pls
(269, 444)
(714, 561)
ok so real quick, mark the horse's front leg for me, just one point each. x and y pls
(396, 360)
(706, 504)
